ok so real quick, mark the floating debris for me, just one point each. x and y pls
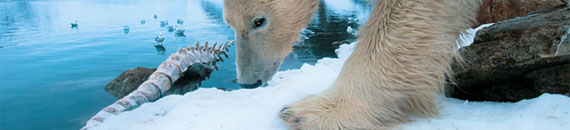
(143, 21)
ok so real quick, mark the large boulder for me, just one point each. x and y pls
(497, 10)
(130, 80)
(517, 59)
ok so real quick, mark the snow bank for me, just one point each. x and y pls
(212, 109)
(547, 112)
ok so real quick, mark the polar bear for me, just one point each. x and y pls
(396, 71)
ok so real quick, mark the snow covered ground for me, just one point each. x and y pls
(256, 109)
(547, 112)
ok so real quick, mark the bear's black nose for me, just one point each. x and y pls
(251, 86)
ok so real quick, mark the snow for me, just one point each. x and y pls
(211, 109)
(547, 112)
(562, 39)
(247, 109)
(468, 37)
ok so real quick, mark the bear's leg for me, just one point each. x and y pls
(397, 69)
(346, 109)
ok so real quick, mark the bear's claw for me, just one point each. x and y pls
(285, 115)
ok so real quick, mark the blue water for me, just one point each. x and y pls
(52, 76)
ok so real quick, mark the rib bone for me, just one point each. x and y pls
(162, 79)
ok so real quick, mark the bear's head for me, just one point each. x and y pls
(264, 33)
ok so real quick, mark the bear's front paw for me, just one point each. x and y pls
(288, 115)
(307, 113)
(330, 113)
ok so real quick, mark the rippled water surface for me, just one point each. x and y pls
(52, 76)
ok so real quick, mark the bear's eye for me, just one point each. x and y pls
(259, 22)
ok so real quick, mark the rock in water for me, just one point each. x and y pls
(128, 81)
(516, 59)
(131, 79)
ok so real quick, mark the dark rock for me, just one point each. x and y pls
(130, 80)
(552, 80)
(516, 59)
(498, 10)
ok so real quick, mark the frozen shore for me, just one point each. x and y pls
(211, 109)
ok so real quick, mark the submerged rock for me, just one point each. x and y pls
(517, 59)
(130, 80)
